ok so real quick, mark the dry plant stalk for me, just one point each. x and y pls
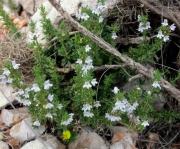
(174, 92)
(12, 48)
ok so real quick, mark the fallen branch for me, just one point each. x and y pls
(96, 68)
(108, 48)
(131, 40)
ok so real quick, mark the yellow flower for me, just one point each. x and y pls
(66, 135)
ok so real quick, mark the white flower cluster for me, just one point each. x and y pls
(143, 25)
(5, 76)
(98, 9)
(156, 85)
(112, 118)
(90, 84)
(163, 34)
(88, 64)
(69, 120)
(97, 104)
(115, 90)
(82, 16)
(23, 96)
(124, 106)
(87, 110)
(114, 36)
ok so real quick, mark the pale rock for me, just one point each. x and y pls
(6, 95)
(3, 145)
(52, 142)
(88, 140)
(123, 138)
(24, 130)
(45, 142)
(10, 117)
(30, 6)
(35, 144)
(7, 6)
(121, 145)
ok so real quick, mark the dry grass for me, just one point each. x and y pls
(16, 49)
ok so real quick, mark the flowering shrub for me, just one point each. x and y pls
(81, 97)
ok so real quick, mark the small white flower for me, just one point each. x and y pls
(121, 105)
(148, 26)
(86, 107)
(15, 66)
(79, 61)
(88, 65)
(114, 36)
(139, 18)
(97, 104)
(49, 115)
(35, 87)
(112, 118)
(156, 84)
(88, 60)
(99, 9)
(6, 72)
(47, 85)
(101, 19)
(160, 34)
(115, 90)
(172, 27)
(37, 123)
(49, 106)
(94, 82)
(87, 85)
(82, 16)
(50, 97)
(138, 88)
(87, 48)
(69, 120)
(165, 22)
(149, 92)
(60, 106)
(166, 38)
(88, 114)
(144, 26)
(145, 123)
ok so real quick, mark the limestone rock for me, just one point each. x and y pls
(10, 117)
(45, 142)
(123, 138)
(52, 142)
(36, 144)
(88, 140)
(3, 145)
(6, 95)
(24, 130)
